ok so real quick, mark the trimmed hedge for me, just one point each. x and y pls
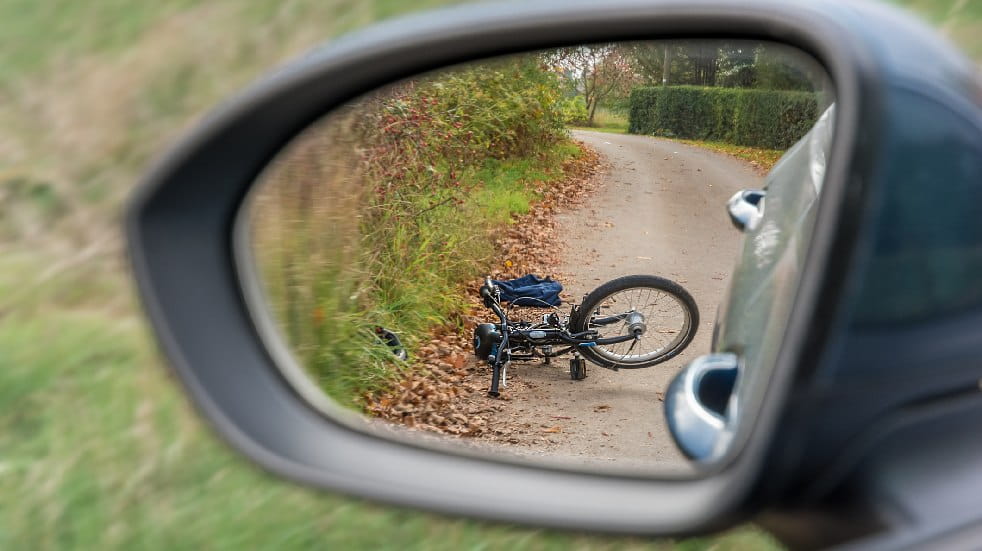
(769, 119)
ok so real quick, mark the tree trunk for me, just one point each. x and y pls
(593, 109)
(666, 66)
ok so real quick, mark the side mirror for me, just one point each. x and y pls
(700, 406)
(746, 208)
(797, 299)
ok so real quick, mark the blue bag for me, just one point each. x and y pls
(530, 290)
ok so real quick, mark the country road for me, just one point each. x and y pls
(660, 210)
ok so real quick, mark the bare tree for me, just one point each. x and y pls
(598, 72)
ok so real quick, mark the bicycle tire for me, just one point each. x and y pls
(606, 356)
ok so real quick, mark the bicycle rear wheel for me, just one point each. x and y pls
(660, 312)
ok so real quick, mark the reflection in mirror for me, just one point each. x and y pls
(520, 254)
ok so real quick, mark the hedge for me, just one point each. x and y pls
(769, 119)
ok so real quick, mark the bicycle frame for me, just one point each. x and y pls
(552, 331)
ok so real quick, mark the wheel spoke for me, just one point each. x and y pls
(666, 323)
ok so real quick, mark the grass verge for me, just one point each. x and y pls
(607, 120)
(764, 159)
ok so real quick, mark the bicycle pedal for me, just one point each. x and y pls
(577, 369)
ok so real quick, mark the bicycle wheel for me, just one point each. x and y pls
(660, 311)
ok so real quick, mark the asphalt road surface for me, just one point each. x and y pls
(661, 211)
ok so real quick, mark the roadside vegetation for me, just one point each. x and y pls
(380, 215)
(98, 448)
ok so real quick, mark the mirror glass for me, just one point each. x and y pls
(518, 255)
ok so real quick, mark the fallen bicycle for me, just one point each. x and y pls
(627, 323)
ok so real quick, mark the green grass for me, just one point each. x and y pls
(505, 192)
(959, 20)
(38, 35)
(614, 130)
(606, 120)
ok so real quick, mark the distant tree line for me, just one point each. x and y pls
(605, 74)
(726, 64)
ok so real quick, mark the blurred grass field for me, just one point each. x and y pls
(98, 449)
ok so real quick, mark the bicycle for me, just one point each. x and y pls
(617, 326)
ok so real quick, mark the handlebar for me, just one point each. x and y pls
(489, 292)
